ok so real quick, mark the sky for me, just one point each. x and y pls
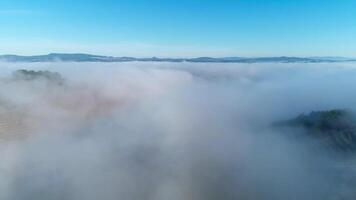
(185, 28)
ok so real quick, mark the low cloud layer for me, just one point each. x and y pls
(161, 131)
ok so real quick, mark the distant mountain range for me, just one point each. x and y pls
(79, 57)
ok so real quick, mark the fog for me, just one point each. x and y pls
(158, 131)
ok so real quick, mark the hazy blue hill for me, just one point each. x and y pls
(332, 58)
(77, 57)
(80, 57)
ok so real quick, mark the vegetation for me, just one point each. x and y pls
(30, 75)
(334, 128)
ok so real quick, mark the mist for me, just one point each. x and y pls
(157, 131)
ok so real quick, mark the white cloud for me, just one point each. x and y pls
(167, 131)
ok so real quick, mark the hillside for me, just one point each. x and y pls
(334, 128)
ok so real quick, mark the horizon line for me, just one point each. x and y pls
(173, 57)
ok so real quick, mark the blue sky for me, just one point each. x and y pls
(183, 28)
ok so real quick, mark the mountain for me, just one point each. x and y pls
(79, 57)
(335, 129)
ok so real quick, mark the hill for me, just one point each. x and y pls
(334, 128)
(80, 57)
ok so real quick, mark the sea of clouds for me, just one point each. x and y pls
(158, 131)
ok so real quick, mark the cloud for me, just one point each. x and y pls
(144, 130)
